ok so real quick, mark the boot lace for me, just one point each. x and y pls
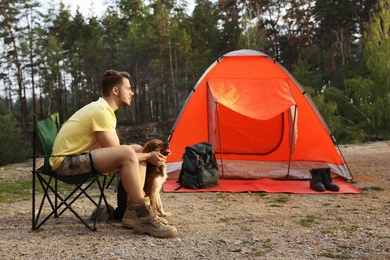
(316, 178)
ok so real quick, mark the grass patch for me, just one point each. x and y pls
(308, 220)
(267, 246)
(336, 255)
(20, 189)
(16, 190)
(346, 246)
(280, 200)
(329, 231)
(350, 229)
(375, 188)
(283, 199)
(259, 253)
(246, 229)
(221, 195)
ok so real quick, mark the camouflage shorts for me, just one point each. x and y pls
(76, 165)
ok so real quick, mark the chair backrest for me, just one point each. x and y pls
(47, 130)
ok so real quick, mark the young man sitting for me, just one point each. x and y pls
(92, 129)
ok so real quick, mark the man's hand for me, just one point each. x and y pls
(156, 158)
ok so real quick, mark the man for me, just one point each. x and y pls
(92, 130)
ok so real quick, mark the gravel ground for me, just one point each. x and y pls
(227, 225)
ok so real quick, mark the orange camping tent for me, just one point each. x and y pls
(258, 118)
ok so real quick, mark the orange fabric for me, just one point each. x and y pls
(256, 98)
(267, 185)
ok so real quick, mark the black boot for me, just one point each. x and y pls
(316, 181)
(327, 180)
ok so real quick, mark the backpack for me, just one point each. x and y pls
(199, 168)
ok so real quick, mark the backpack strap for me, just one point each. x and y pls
(178, 188)
(180, 179)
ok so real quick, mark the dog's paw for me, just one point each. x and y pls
(165, 214)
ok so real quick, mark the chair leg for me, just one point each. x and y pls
(47, 188)
(56, 198)
(102, 197)
(34, 224)
(60, 204)
(81, 192)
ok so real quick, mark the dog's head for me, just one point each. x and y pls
(157, 145)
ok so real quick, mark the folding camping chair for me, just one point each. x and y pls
(54, 198)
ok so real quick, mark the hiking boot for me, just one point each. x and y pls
(130, 215)
(327, 180)
(316, 180)
(147, 221)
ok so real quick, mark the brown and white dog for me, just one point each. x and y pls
(156, 175)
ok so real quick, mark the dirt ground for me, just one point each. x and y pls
(226, 225)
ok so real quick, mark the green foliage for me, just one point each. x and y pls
(377, 56)
(307, 77)
(327, 100)
(13, 146)
(360, 93)
(61, 55)
(251, 38)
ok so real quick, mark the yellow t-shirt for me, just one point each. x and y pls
(78, 134)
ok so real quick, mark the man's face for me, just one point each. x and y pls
(125, 93)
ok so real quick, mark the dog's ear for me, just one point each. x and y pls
(147, 147)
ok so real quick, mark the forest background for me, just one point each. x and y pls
(52, 60)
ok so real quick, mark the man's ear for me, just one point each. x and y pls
(115, 90)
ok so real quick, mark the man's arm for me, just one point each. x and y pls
(108, 139)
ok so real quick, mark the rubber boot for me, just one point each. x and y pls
(327, 180)
(316, 180)
(148, 222)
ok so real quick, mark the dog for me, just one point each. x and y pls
(154, 179)
(156, 175)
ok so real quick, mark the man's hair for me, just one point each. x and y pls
(112, 78)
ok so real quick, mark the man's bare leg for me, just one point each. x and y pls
(123, 158)
(121, 193)
(142, 165)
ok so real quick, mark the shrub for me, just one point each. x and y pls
(14, 147)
